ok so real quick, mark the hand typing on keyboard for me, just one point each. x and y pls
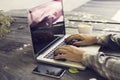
(81, 40)
(69, 52)
(71, 42)
(56, 54)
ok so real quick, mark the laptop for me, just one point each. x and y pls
(47, 27)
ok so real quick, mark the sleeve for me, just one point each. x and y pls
(110, 40)
(106, 66)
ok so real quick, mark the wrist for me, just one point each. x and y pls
(95, 39)
(86, 57)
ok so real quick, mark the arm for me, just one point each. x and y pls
(111, 40)
(106, 66)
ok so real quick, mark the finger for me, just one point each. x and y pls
(61, 50)
(74, 38)
(68, 39)
(62, 56)
(67, 48)
(64, 47)
(58, 51)
(79, 43)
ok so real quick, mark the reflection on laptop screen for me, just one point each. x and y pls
(46, 25)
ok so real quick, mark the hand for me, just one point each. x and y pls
(83, 39)
(69, 52)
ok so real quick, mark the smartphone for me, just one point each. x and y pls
(49, 70)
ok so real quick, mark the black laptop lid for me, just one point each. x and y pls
(46, 25)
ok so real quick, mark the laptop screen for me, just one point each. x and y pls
(46, 23)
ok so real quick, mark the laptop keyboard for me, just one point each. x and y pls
(50, 55)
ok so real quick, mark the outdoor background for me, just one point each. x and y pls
(24, 4)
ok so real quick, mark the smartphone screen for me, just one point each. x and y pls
(48, 70)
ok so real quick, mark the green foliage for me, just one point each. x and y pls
(5, 22)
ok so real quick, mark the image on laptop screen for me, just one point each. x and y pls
(46, 25)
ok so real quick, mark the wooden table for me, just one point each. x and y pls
(17, 61)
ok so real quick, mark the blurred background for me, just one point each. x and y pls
(24, 4)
